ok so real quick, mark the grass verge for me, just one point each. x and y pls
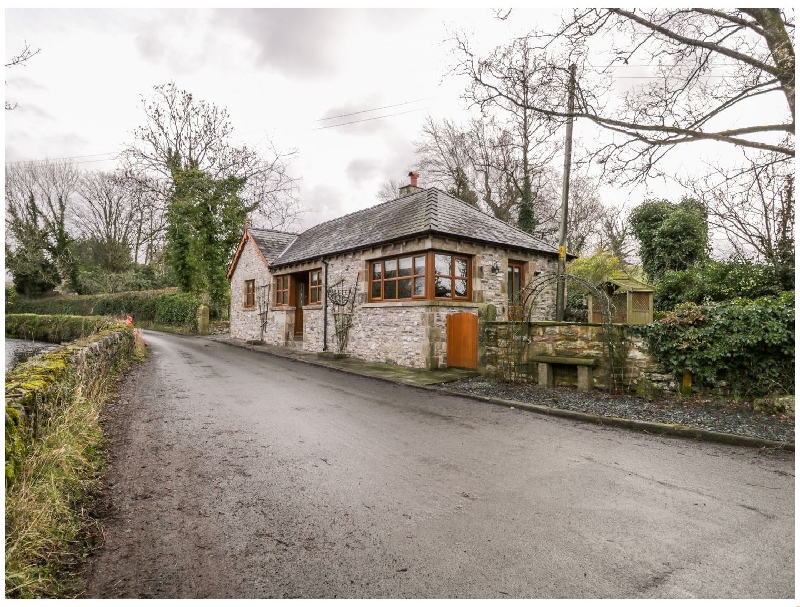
(49, 497)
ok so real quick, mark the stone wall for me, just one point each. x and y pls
(509, 346)
(408, 333)
(245, 322)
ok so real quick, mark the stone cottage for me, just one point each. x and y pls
(393, 273)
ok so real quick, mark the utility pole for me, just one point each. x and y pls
(561, 285)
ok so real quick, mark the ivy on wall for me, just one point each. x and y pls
(747, 343)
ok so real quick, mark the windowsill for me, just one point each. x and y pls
(420, 303)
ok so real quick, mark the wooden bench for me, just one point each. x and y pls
(584, 369)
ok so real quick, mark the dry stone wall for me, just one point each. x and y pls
(509, 345)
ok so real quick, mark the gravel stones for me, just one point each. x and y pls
(714, 414)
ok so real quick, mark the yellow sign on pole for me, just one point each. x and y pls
(562, 252)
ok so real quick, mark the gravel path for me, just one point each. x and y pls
(705, 413)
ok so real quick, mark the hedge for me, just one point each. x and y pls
(747, 343)
(164, 307)
(54, 329)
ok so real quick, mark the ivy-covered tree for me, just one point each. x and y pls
(39, 208)
(671, 236)
(205, 218)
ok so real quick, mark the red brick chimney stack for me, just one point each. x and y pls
(411, 187)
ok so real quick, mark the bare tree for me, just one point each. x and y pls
(706, 66)
(614, 234)
(753, 207)
(585, 211)
(18, 60)
(389, 190)
(181, 132)
(106, 215)
(275, 193)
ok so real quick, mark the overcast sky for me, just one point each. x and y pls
(280, 73)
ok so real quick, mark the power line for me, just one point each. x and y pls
(115, 155)
(385, 107)
(368, 119)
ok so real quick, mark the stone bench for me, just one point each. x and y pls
(584, 366)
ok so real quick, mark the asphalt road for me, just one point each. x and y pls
(237, 474)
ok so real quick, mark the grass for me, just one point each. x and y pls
(49, 522)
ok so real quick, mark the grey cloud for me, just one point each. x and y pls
(25, 83)
(150, 45)
(324, 202)
(295, 42)
(34, 110)
(362, 170)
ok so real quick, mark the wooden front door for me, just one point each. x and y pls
(300, 300)
(462, 340)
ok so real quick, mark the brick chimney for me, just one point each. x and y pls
(412, 187)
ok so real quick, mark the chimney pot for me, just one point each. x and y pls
(414, 175)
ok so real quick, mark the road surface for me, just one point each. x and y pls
(238, 474)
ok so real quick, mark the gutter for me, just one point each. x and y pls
(325, 309)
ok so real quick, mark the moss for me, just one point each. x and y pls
(52, 475)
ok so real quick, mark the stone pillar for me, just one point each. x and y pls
(584, 378)
(546, 375)
(202, 320)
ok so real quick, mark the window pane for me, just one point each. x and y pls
(461, 287)
(376, 290)
(419, 287)
(404, 288)
(419, 265)
(391, 268)
(444, 287)
(443, 264)
(390, 290)
(461, 268)
(376, 271)
(405, 266)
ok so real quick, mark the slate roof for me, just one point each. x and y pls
(271, 242)
(429, 211)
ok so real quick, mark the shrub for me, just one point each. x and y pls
(54, 329)
(156, 308)
(747, 343)
(718, 281)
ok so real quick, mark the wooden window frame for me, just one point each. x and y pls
(396, 280)
(315, 290)
(454, 257)
(282, 290)
(515, 310)
(429, 277)
(250, 293)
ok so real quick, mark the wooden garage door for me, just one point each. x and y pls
(462, 340)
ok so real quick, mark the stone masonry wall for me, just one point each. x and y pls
(408, 333)
(512, 344)
(245, 322)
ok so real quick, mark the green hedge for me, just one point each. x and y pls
(54, 329)
(747, 343)
(165, 307)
